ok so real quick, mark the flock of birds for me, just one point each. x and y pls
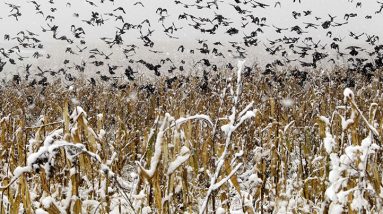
(293, 45)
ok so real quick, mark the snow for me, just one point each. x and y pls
(287, 127)
(40, 211)
(46, 202)
(348, 94)
(20, 170)
(106, 170)
(228, 129)
(328, 140)
(240, 65)
(366, 142)
(75, 101)
(224, 180)
(353, 163)
(140, 196)
(101, 133)
(182, 158)
(347, 122)
(287, 102)
(348, 162)
(329, 143)
(182, 120)
(146, 210)
(77, 112)
(157, 148)
(248, 115)
(359, 202)
(325, 120)
(317, 159)
(254, 178)
(220, 210)
(336, 209)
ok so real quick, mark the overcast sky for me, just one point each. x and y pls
(278, 16)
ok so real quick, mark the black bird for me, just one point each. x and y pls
(92, 81)
(358, 4)
(232, 31)
(181, 48)
(355, 36)
(307, 12)
(239, 9)
(327, 24)
(120, 9)
(139, 3)
(151, 67)
(297, 29)
(308, 25)
(354, 50)
(279, 30)
(91, 3)
(256, 4)
(129, 73)
(2, 64)
(380, 9)
(296, 14)
(112, 68)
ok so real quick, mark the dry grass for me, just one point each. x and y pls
(274, 162)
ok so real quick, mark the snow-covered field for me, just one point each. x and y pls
(191, 106)
(195, 145)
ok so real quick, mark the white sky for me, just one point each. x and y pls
(135, 14)
(281, 17)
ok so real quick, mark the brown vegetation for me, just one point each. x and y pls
(284, 163)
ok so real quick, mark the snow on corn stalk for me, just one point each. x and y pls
(286, 156)
(159, 140)
(354, 184)
(235, 120)
(161, 167)
(64, 152)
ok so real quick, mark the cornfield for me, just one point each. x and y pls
(227, 143)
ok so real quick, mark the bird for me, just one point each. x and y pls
(91, 3)
(139, 3)
(279, 30)
(277, 3)
(120, 9)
